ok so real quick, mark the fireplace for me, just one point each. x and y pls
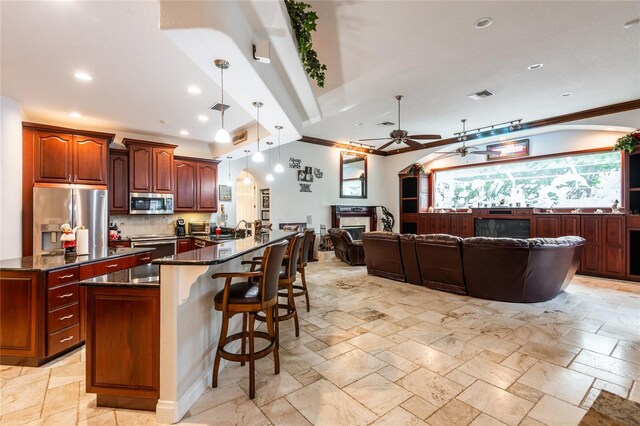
(355, 231)
(366, 213)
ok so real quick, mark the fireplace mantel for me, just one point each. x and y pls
(338, 212)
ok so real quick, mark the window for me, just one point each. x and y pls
(583, 180)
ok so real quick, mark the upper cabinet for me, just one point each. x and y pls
(118, 181)
(150, 166)
(196, 185)
(68, 157)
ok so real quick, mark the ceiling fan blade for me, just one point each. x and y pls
(482, 152)
(386, 144)
(373, 139)
(445, 152)
(425, 137)
(412, 143)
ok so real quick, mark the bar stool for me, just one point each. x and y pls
(288, 271)
(248, 298)
(309, 234)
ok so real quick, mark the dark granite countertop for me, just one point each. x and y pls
(143, 276)
(49, 263)
(214, 239)
(225, 250)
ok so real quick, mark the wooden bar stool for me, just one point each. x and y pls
(303, 259)
(248, 298)
(287, 277)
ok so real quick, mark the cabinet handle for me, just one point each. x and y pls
(62, 296)
(145, 258)
(66, 339)
(66, 317)
(114, 265)
(65, 276)
(75, 178)
(69, 178)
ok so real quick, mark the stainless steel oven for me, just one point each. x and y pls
(149, 203)
(164, 245)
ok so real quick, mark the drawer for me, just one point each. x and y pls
(143, 259)
(62, 318)
(63, 276)
(633, 221)
(63, 339)
(119, 244)
(106, 267)
(62, 296)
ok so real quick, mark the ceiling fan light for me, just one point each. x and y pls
(257, 157)
(278, 168)
(222, 136)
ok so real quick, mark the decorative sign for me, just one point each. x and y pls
(305, 187)
(511, 149)
(224, 192)
(305, 175)
(294, 163)
(239, 137)
(317, 173)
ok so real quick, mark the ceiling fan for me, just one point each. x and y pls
(464, 150)
(402, 136)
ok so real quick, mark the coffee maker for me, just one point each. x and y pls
(181, 230)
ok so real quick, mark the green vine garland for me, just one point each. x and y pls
(303, 23)
(628, 142)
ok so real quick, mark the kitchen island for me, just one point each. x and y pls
(42, 309)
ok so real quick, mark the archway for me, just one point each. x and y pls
(246, 196)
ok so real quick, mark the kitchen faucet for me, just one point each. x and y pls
(246, 224)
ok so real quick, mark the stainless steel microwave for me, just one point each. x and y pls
(149, 203)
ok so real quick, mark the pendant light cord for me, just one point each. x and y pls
(258, 125)
(222, 89)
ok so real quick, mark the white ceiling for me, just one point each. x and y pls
(428, 51)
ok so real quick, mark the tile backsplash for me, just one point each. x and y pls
(155, 224)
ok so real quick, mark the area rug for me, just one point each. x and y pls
(612, 410)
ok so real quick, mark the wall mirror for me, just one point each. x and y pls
(353, 175)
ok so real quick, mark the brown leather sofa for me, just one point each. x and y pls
(439, 258)
(382, 254)
(505, 269)
(516, 270)
(345, 248)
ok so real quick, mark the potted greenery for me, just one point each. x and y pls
(628, 142)
(415, 169)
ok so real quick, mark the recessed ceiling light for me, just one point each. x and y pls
(203, 117)
(194, 89)
(483, 22)
(184, 132)
(359, 124)
(81, 75)
(535, 66)
(564, 95)
(632, 23)
(75, 114)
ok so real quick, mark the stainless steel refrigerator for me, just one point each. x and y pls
(53, 207)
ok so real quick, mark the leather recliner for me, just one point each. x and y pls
(409, 259)
(382, 254)
(439, 258)
(518, 270)
(347, 250)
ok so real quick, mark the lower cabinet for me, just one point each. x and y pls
(183, 245)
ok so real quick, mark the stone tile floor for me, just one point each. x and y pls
(375, 351)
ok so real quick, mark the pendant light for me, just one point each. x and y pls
(222, 135)
(279, 168)
(258, 157)
(246, 180)
(269, 175)
(229, 179)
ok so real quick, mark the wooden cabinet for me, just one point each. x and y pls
(119, 243)
(118, 181)
(196, 185)
(591, 230)
(19, 318)
(183, 245)
(150, 166)
(466, 226)
(67, 158)
(613, 253)
(547, 226)
(570, 225)
(414, 199)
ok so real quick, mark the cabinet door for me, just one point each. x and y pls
(184, 244)
(162, 170)
(423, 193)
(466, 226)
(570, 225)
(118, 182)
(18, 313)
(423, 224)
(613, 261)
(444, 224)
(207, 187)
(186, 178)
(454, 225)
(52, 157)
(432, 224)
(90, 160)
(140, 168)
(547, 226)
(590, 227)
